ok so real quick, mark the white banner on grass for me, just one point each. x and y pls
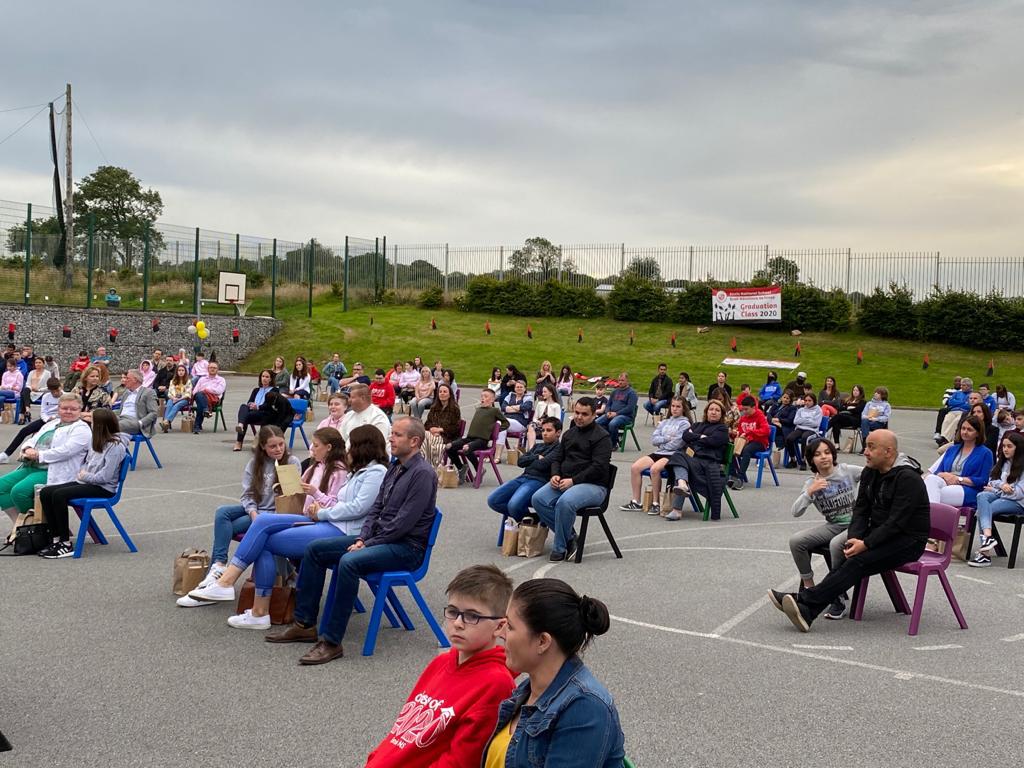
(747, 305)
(785, 364)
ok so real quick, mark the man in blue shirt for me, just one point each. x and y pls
(621, 409)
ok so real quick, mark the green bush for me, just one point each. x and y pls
(255, 279)
(693, 304)
(889, 313)
(635, 299)
(431, 298)
(508, 297)
(555, 299)
(807, 308)
(957, 317)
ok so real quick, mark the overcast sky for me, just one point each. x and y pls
(873, 125)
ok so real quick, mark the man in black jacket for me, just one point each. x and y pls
(890, 526)
(659, 394)
(579, 478)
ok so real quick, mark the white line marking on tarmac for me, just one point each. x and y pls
(172, 530)
(936, 647)
(824, 647)
(517, 566)
(1013, 638)
(971, 578)
(541, 572)
(900, 674)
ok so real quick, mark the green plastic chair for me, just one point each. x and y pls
(627, 430)
(218, 413)
(627, 763)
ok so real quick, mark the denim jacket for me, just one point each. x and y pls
(574, 723)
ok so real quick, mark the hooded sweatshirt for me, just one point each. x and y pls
(891, 505)
(450, 714)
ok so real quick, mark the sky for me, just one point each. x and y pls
(869, 125)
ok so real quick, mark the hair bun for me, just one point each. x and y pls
(594, 615)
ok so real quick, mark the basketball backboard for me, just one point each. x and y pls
(231, 288)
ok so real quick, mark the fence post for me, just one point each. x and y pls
(383, 264)
(238, 246)
(376, 267)
(689, 274)
(849, 258)
(273, 279)
(344, 291)
(395, 267)
(88, 263)
(446, 269)
(312, 250)
(145, 270)
(622, 259)
(501, 262)
(559, 263)
(28, 249)
(937, 265)
(195, 278)
(767, 258)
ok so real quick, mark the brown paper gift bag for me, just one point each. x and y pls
(510, 542)
(738, 445)
(37, 512)
(447, 476)
(282, 601)
(648, 499)
(531, 540)
(512, 456)
(290, 505)
(190, 568)
(962, 545)
(188, 423)
(309, 413)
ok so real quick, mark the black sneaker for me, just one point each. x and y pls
(737, 484)
(838, 609)
(987, 544)
(58, 550)
(791, 608)
(776, 597)
(980, 561)
(570, 549)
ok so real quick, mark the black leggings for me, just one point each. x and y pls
(247, 418)
(455, 454)
(29, 429)
(55, 500)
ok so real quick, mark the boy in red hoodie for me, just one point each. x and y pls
(753, 426)
(382, 394)
(453, 708)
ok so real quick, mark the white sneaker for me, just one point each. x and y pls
(4, 458)
(213, 592)
(248, 621)
(188, 602)
(214, 573)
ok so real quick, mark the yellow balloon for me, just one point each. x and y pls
(203, 333)
(200, 325)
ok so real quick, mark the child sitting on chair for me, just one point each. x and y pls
(453, 708)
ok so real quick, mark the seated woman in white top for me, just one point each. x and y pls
(299, 382)
(547, 405)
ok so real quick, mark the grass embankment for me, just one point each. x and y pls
(460, 341)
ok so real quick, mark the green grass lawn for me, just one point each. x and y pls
(461, 343)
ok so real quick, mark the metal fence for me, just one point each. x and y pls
(159, 270)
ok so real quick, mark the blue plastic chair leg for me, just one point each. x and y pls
(501, 530)
(442, 639)
(396, 605)
(121, 530)
(152, 452)
(374, 626)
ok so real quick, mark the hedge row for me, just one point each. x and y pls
(955, 317)
(637, 299)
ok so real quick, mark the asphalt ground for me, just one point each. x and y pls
(100, 667)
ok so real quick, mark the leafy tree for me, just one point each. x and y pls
(778, 271)
(645, 267)
(43, 229)
(124, 212)
(540, 257)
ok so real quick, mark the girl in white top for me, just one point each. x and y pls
(547, 405)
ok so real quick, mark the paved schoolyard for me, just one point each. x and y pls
(101, 668)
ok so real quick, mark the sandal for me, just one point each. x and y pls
(236, 448)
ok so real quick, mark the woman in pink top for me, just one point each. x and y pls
(12, 382)
(336, 407)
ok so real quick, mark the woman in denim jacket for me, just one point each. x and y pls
(561, 715)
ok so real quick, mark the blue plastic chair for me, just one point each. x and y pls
(138, 440)
(765, 457)
(822, 431)
(299, 405)
(382, 586)
(84, 507)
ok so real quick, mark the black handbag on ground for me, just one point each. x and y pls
(30, 539)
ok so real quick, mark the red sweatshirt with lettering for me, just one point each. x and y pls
(754, 427)
(450, 714)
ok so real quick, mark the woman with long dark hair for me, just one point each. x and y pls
(560, 714)
(707, 439)
(1003, 494)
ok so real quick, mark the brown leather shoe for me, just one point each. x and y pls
(292, 633)
(321, 653)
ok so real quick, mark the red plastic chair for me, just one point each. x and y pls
(944, 521)
(476, 473)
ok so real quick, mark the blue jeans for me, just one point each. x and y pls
(557, 509)
(174, 408)
(867, 426)
(228, 521)
(513, 498)
(273, 534)
(324, 554)
(613, 426)
(201, 406)
(990, 503)
(658, 407)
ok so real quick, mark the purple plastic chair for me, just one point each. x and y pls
(487, 454)
(944, 522)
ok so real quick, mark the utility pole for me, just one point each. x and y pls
(69, 200)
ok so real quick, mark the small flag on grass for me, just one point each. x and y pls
(632, 336)
(487, 327)
(798, 350)
(673, 339)
(433, 324)
(926, 362)
(579, 336)
(860, 355)
(371, 319)
(732, 344)
(529, 331)
(991, 367)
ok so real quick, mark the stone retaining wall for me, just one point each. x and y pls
(42, 327)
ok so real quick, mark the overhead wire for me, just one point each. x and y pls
(18, 129)
(91, 134)
(18, 109)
